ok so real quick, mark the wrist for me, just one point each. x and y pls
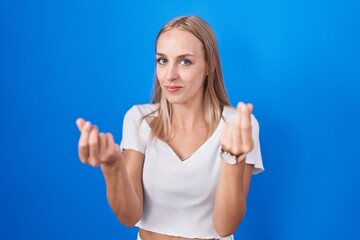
(232, 158)
(112, 165)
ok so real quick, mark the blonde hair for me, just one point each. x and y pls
(215, 97)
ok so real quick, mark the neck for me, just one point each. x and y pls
(188, 117)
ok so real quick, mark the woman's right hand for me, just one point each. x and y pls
(96, 148)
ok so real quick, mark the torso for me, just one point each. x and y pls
(185, 143)
(147, 235)
(179, 180)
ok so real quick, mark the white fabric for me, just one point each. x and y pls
(179, 195)
(227, 238)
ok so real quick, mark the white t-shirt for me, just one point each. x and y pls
(179, 195)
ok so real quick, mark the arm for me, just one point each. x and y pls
(230, 198)
(234, 182)
(124, 188)
(122, 171)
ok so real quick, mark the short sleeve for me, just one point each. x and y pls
(254, 157)
(131, 132)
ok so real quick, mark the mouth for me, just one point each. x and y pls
(172, 89)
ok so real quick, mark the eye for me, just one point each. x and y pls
(161, 61)
(185, 62)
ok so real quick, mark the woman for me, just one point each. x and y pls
(186, 160)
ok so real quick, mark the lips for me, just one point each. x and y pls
(172, 89)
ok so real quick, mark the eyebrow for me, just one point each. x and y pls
(180, 56)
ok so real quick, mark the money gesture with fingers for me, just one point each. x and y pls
(96, 148)
(236, 138)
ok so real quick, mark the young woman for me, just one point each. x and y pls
(185, 163)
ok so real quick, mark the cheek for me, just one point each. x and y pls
(159, 75)
(195, 77)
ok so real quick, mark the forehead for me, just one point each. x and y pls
(178, 42)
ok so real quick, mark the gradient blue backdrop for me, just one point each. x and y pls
(296, 61)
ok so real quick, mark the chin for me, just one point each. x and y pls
(175, 100)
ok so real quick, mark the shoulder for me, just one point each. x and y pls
(228, 113)
(141, 110)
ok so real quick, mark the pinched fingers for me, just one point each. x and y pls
(95, 147)
(92, 144)
(237, 135)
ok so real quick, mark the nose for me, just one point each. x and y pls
(172, 72)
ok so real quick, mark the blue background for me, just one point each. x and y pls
(296, 61)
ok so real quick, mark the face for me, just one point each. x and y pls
(180, 66)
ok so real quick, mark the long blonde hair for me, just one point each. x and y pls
(215, 97)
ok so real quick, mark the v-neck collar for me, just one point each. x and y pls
(193, 155)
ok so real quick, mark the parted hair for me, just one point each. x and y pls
(215, 97)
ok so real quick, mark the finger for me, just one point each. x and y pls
(236, 138)
(102, 146)
(83, 147)
(238, 113)
(112, 148)
(246, 136)
(94, 147)
(80, 123)
(109, 141)
(250, 107)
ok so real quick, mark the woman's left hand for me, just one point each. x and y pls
(236, 137)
